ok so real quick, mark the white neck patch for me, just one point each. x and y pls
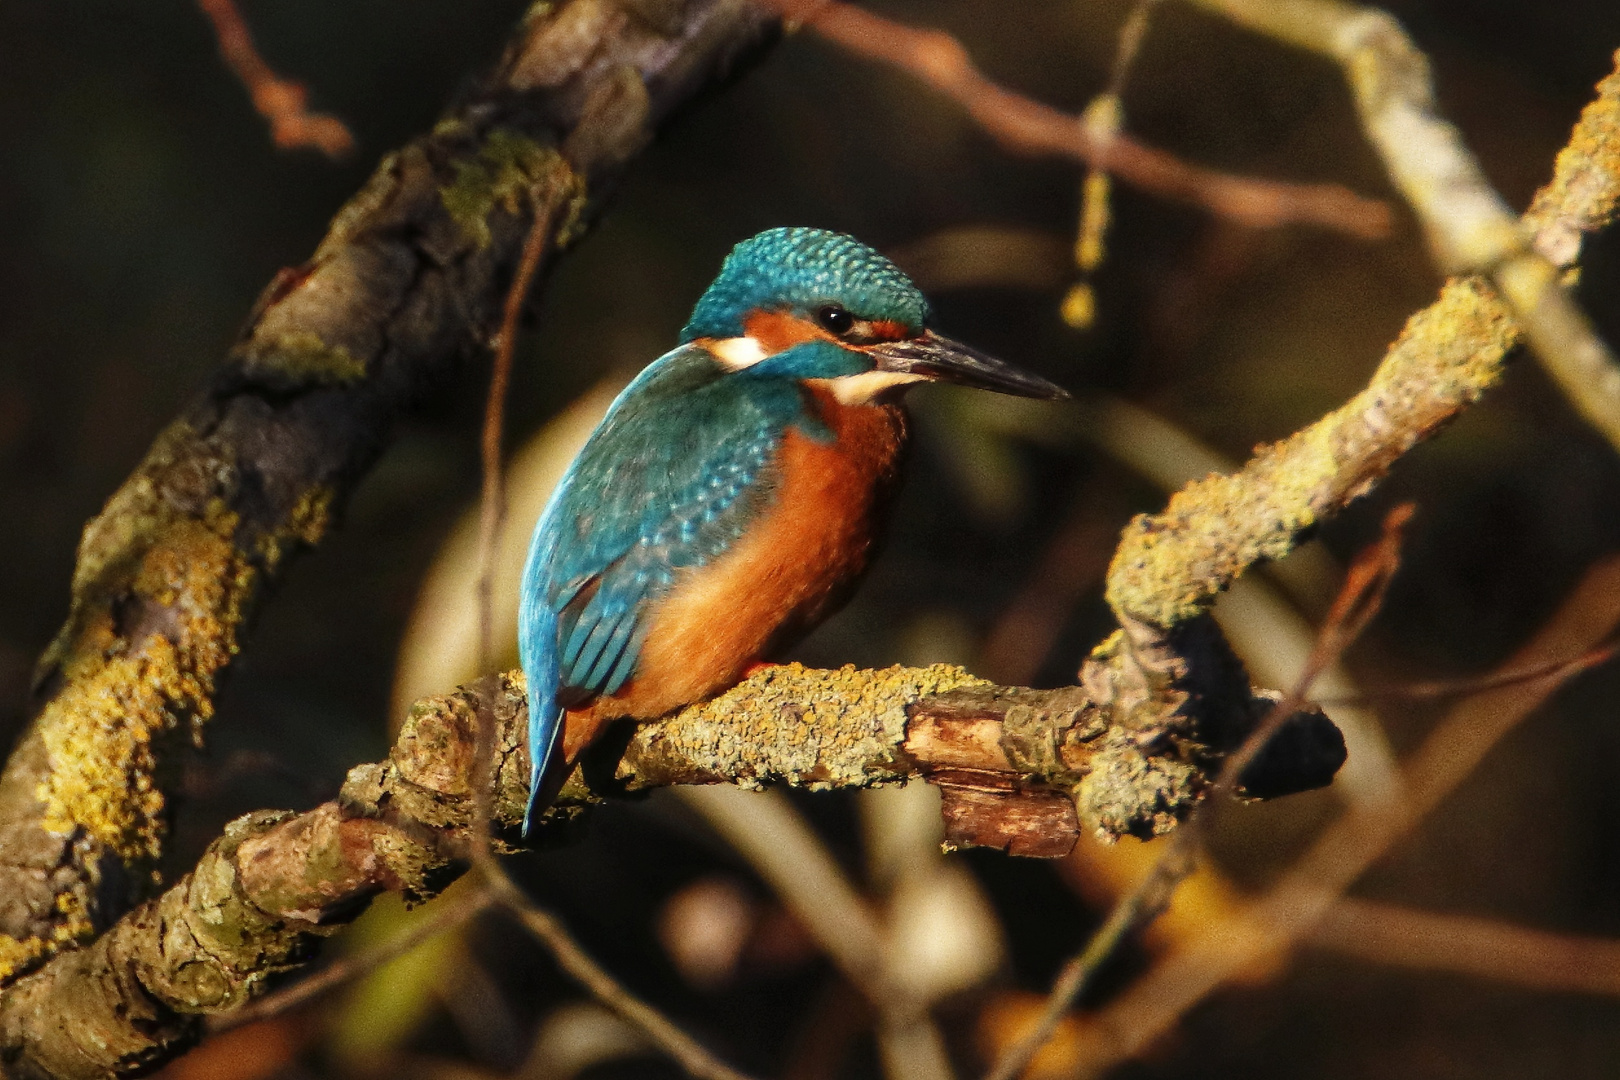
(736, 353)
(863, 388)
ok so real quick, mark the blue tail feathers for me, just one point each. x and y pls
(537, 648)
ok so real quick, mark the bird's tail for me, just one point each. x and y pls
(545, 738)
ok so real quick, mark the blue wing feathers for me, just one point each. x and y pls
(669, 481)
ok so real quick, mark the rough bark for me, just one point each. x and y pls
(408, 281)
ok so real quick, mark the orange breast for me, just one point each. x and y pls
(792, 568)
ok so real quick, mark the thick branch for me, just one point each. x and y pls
(1170, 566)
(408, 280)
(275, 883)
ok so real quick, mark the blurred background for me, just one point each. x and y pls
(142, 208)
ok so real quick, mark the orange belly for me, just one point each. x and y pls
(791, 569)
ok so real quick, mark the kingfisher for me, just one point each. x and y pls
(733, 493)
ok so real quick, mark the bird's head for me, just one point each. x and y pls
(819, 306)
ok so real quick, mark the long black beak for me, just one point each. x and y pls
(934, 356)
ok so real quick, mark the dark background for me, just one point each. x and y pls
(142, 208)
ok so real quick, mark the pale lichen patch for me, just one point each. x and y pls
(305, 360)
(819, 729)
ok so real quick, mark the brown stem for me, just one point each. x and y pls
(283, 102)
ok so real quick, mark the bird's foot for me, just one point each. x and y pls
(756, 667)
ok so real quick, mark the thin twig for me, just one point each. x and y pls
(1029, 126)
(492, 514)
(1488, 948)
(1105, 117)
(448, 916)
(1359, 600)
(1557, 670)
(545, 927)
(280, 101)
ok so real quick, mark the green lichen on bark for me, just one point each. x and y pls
(506, 171)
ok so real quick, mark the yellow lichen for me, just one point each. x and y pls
(1585, 187)
(99, 731)
(821, 729)
(306, 523)
(1169, 567)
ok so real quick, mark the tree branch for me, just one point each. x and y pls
(276, 883)
(1170, 567)
(408, 280)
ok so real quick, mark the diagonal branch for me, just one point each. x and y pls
(1170, 567)
(276, 883)
(407, 282)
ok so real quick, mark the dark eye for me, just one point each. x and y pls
(834, 319)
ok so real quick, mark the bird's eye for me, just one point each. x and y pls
(835, 320)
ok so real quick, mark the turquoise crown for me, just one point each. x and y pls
(799, 269)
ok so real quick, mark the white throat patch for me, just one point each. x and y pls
(736, 353)
(863, 388)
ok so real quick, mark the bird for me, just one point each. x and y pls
(734, 491)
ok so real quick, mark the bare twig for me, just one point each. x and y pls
(1440, 688)
(492, 512)
(1031, 127)
(1104, 117)
(280, 101)
(1469, 945)
(1359, 600)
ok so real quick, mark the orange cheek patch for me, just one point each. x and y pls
(777, 331)
(887, 330)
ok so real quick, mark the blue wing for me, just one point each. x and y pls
(669, 480)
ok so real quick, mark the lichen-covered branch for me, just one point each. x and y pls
(1008, 760)
(408, 280)
(1470, 227)
(1169, 567)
